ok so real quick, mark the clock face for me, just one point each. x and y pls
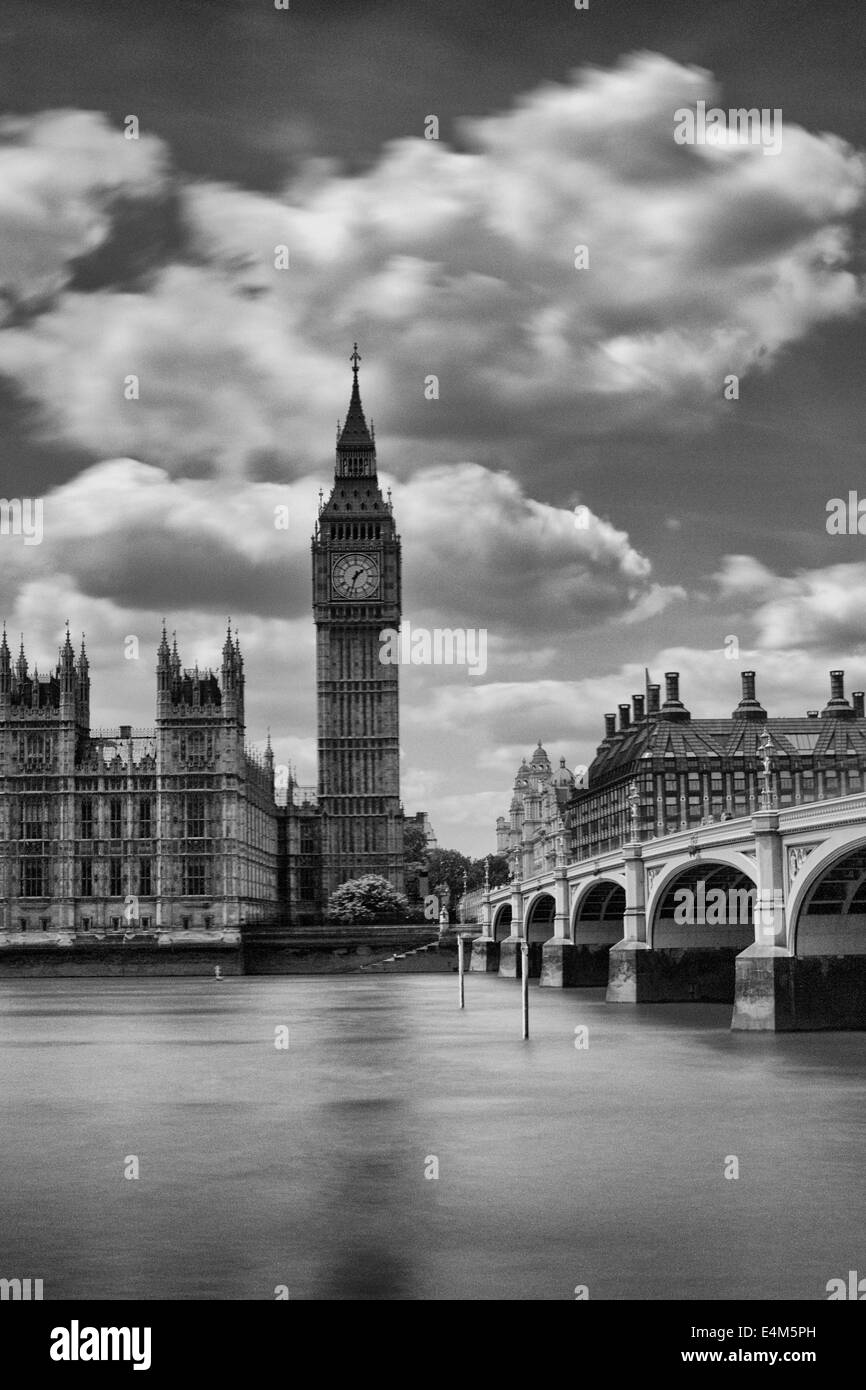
(355, 576)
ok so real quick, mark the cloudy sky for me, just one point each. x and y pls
(600, 388)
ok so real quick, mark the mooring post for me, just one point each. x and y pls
(460, 966)
(524, 985)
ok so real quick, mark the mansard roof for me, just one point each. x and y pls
(727, 738)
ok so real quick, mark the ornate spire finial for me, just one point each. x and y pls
(355, 359)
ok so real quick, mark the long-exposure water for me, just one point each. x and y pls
(263, 1166)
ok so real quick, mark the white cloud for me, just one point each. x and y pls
(821, 608)
(703, 261)
(60, 174)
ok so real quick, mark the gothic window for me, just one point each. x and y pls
(85, 872)
(195, 816)
(145, 809)
(32, 878)
(32, 819)
(144, 878)
(115, 818)
(194, 874)
(35, 749)
(115, 878)
(86, 813)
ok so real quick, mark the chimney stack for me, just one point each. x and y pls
(858, 696)
(609, 725)
(749, 707)
(673, 707)
(837, 707)
(654, 694)
(624, 713)
(637, 704)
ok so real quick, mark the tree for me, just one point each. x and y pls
(414, 842)
(498, 871)
(447, 867)
(367, 899)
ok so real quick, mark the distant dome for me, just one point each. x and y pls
(539, 757)
(562, 777)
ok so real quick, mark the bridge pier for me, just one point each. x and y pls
(560, 966)
(509, 957)
(559, 963)
(777, 992)
(639, 974)
(485, 955)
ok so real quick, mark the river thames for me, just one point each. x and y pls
(265, 1167)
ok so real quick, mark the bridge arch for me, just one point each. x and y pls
(597, 923)
(726, 870)
(827, 906)
(597, 911)
(502, 922)
(538, 916)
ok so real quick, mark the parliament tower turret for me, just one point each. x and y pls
(356, 594)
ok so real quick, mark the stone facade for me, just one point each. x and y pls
(128, 830)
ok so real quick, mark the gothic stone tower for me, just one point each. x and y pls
(356, 593)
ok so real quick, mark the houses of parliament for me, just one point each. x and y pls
(182, 828)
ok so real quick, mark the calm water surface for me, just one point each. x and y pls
(557, 1167)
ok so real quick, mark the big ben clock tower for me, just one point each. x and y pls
(356, 593)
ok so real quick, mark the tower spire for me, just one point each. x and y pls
(355, 438)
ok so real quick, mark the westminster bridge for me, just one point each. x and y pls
(767, 911)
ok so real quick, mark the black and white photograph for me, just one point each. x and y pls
(432, 669)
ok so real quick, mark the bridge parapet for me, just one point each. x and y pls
(841, 810)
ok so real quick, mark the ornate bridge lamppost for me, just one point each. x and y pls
(768, 795)
(633, 799)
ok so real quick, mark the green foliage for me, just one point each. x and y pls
(498, 872)
(446, 871)
(414, 842)
(367, 899)
(447, 867)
